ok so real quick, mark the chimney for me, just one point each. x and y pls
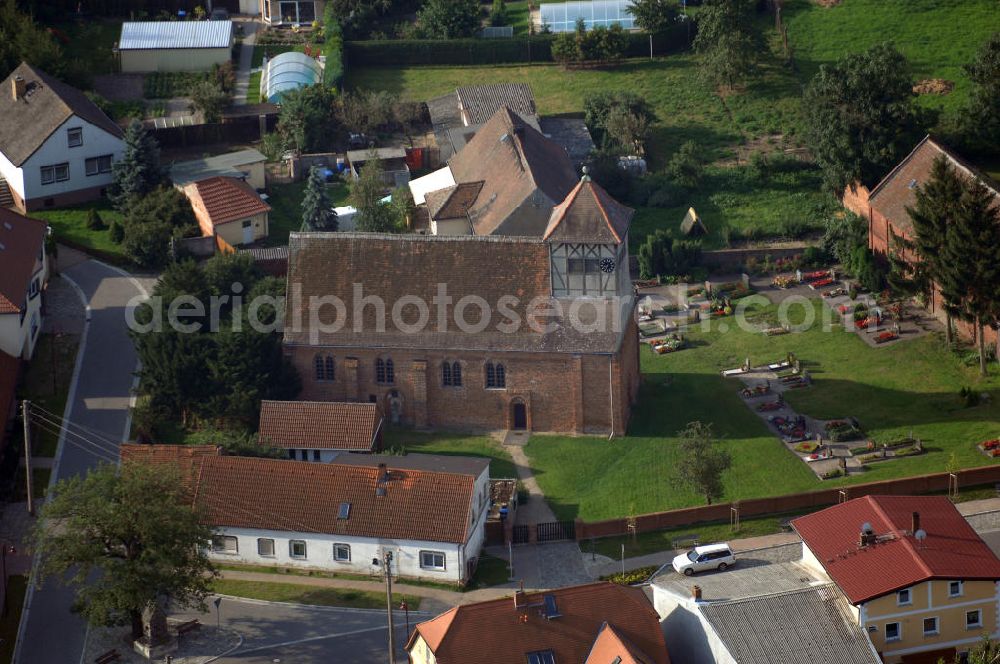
(916, 522)
(867, 535)
(18, 87)
(519, 599)
(696, 593)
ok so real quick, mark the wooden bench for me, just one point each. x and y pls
(188, 627)
(110, 656)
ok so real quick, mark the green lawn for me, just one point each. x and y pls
(303, 594)
(686, 106)
(71, 224)
(46, 384)
(272, 50)
(518, 16)
(938, 38)
(909, 386)
(286, 208)
(417, 442)
(253, 89)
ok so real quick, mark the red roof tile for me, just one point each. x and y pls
(951, 550)
(897, 190)
(21, 241)
(320, 425)
(611, 645)
(228, 199)
(304, 497)
(589, 214)
(495, 631)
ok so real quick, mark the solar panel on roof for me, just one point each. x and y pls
(551, 610)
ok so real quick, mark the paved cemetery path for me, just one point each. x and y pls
(98, 399)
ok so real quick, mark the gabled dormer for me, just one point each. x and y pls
(588, 240)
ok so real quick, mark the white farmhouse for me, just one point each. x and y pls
(24, 272)
(428, 512)
(56, 146)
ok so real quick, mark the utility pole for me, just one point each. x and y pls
(25, 411)
(387, 568)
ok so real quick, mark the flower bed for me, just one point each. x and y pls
(783, 282)
(841, 430)
(883, 337)
(807, 447)
(908, 451)
(822, 283)
(832, 474)
(817, 274)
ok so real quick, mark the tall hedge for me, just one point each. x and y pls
(333, 49)
(538, 48)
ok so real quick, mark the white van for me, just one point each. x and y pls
(701, 558)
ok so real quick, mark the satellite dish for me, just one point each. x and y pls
(866, 528)
(920, 535)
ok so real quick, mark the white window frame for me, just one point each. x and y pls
(432, 566)
(961, 588)
(937, 626)
(909, 597)
(78, 133)
(224, 540)
(265, 539)
(291, 549)
(979, 619)
(336, 548)
(899, 632)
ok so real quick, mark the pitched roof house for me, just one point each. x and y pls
(920, 578)
(10, 372)
(509, 179)
(228, 208)
(23, 278)
(56, 146)
(589, 624)
(320, 430)
(333, 516)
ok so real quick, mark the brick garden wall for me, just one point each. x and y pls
(736, 258)
(923, 484)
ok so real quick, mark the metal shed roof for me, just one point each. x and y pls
(146, 35)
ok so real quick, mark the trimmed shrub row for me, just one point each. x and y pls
(538, 48)
(333, 49)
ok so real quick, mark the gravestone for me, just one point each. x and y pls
(745, 278)
(156, 640)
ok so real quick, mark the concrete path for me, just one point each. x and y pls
(98, 399)
(246, 62)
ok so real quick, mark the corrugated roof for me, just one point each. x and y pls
(495, 631)
(951, 550)
(47, 104)
(328, 425)
(146, 35)
(480, 102)
(813, 625)
(304, 497)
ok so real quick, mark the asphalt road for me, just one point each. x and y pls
(50, 633)
(275, 632)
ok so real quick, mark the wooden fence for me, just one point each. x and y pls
(937, 482)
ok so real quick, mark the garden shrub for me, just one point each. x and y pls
(333, 49)
(969, 396)
(94, 221)
(832, 474)
(815, 257)
(632, 577)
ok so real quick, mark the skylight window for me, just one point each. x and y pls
(345, 511)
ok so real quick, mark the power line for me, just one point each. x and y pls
(60, 428)
(97, 451)
(89, 431)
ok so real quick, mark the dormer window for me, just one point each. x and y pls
(74, 137)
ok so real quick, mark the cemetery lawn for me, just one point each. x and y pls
(909, 386)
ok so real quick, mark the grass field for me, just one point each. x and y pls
(937, 38)
(70, 223)
(286, 209)
(303, 594)
(408, 440)
(909, 386)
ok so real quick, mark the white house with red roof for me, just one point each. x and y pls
(922, 583)
(24, 273)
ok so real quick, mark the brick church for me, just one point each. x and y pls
(529, 329)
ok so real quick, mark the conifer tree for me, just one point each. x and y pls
(139, 171)
(317, 212)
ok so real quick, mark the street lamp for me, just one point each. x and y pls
(406, 607)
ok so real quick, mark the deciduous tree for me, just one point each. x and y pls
(654, 16)
(144, 550)
(728, 39)
(860, 118)
(979, 122)
(366, 197)
(450, 19)
(701, 463)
